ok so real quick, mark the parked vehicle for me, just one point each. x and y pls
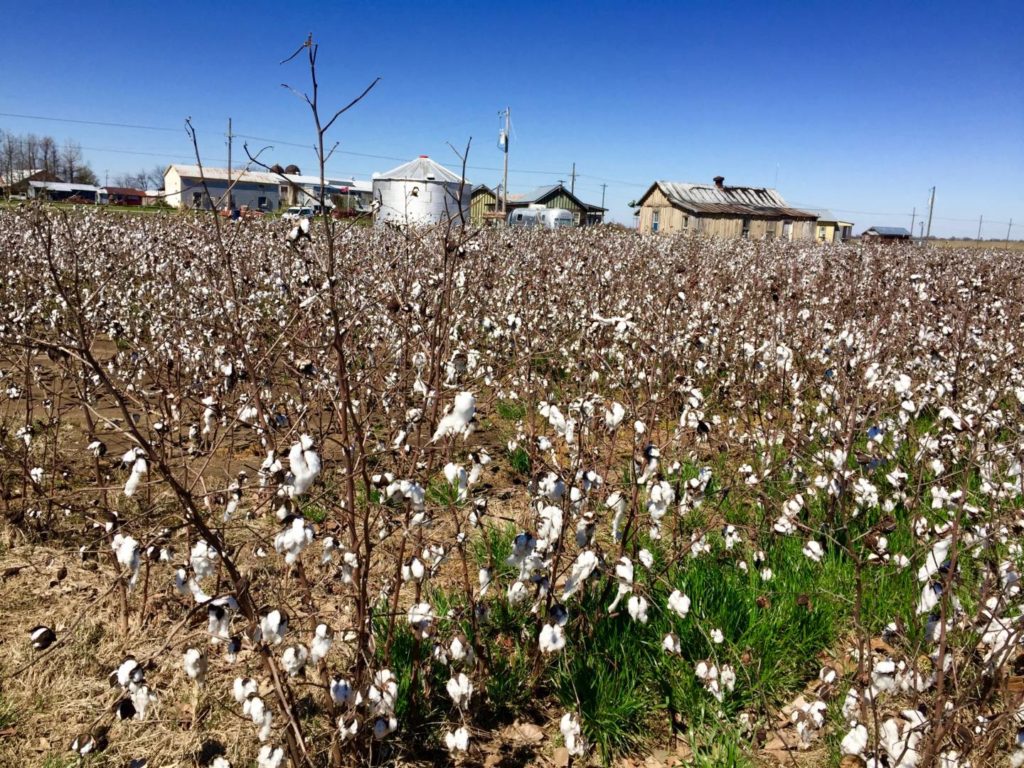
(297, 212)
(545, 218)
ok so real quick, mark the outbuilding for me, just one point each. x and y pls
(755, 213)
(886, 234)
(186, 187)
(421, 192)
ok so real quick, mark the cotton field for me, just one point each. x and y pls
(442, 496)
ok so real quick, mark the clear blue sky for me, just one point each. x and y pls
(855, 107)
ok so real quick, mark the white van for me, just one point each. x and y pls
(545, 218)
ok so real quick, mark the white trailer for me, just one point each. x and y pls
(545, 218)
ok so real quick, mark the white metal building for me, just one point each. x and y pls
(183, 187)
(420, 192)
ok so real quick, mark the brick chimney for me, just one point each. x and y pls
(720, 182)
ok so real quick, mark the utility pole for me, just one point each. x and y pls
(1008, 228)
(503, 141)
(920, 226)
(230, 136)
(931, 205)
(603, 187)
(572, 184)
(913, 215)
(979, 225)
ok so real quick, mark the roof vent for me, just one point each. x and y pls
(720, 181)
(425, 156)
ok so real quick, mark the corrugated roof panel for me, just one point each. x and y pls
(420, 169)
(702, 198)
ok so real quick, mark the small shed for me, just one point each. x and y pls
(830, 228)
(886, 234)
(125, 195)
(71, 193)
(421, 192)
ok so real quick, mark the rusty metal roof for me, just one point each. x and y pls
(725, 200)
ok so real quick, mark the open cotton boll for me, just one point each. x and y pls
(341, 690)
(457, 421)
(126, 550)
(321, 645)
(270, 757)
(613, 416)
(195, 665)
(273, 627)
(457, 740)
(139, 470)
(552, 638)
(855, 742)
(243, 688)
(203, 560)
(679, 603)
(637, 607)
(572, 734)
(585, 564)
(460, 689)
(293, 540)
(294, 659)
(304, 466)
(624, 576)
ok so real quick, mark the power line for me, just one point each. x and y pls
(91, 122)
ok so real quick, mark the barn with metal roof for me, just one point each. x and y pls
(756, 213)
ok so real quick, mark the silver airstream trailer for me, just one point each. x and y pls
(545, 218)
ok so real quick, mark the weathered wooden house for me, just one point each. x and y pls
(755, 213)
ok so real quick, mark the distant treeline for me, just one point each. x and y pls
(33, 152)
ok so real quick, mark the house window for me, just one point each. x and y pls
(821, 234)
(655, 220)
(745, 234)
(197, 199)
(261, 203)
(787, 230)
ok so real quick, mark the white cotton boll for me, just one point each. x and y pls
(855, 742)
(613, 416)
(273, 627)
(304, 464)
(484, 578)
(717, 637)
(457, 421)
(142, 699)
(585, 564)
(195, 665)
(624, 576)
(421, 617)
(813, 550)
(902, 384)
(679, 603)
(637, 607)
(646, 558)
(220, 762)
(671, 644)
(934, 561)
(126, 550)
(572, 734)
(203, 560)
(617, 503)
(270, 757)
(460, 689)
(639, 427)
(383, 727)
(219, 614)
(552, 638)
(458, 740)
(243, 688)
(139, 470)
(293, 540)
(517, 593)
(294, 659)
(321, 645)
(341, 690)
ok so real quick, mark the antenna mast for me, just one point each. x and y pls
(503, 143)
